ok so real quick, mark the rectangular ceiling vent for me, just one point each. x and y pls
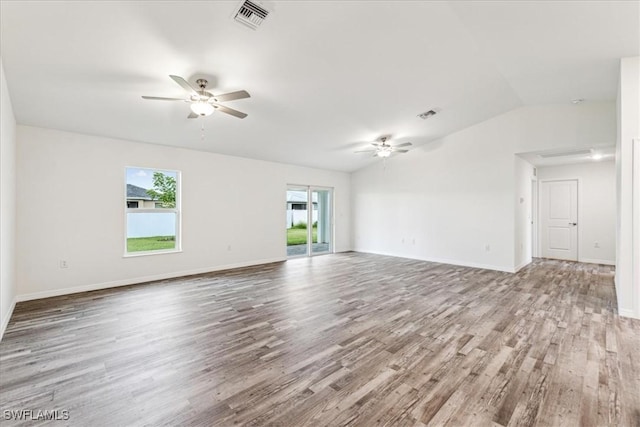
(565, 154)
(251, 14)
(427, 114)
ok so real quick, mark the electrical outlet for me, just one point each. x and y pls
(413, 241)
(596, 245)
(63, 263)
(487, 248)
(229, 248)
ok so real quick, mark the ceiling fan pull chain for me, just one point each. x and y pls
(202, 130)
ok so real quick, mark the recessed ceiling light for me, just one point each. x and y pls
(577, 101)
(596, 156)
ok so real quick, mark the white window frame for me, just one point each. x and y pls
(177, 210)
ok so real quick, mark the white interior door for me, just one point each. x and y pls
(559, 215)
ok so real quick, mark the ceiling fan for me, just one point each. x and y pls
(204, 103)
(384, 149)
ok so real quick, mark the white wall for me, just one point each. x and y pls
(596, 207)
(7, 204)
(226, 201)
(523, 217)
(627, 286)
(455, 196)
(438, 205)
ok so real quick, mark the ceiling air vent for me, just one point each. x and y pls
(565, 154)
(427, 114)
(251, 14)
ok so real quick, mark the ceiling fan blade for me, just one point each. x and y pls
(400, 151)
(366, 151)
(406, 144)
(185, 85)
(160, 98)
(192, 115)
(241, 94)
(228, 110)
(376, 144)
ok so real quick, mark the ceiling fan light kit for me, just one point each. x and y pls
(202, 108)
(383, 149)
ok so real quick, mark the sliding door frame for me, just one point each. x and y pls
(310, 189)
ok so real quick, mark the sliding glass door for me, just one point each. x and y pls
(297, 221)
(322, 227)
(309, 221)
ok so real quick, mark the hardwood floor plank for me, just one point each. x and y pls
(344, 339)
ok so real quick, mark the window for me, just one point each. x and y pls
(152, 200)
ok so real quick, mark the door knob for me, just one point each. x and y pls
(573, 223)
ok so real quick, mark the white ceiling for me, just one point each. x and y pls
(325, 77)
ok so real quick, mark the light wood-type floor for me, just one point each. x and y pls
(344, 339)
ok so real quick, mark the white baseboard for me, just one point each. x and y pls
(445, 261)
(472, 264)
(597, 261)
(7, 317)
(624, 312)
(137, 280)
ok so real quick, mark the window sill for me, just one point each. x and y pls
(147, 253)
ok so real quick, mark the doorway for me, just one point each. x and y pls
(309, 220)
(559, 219)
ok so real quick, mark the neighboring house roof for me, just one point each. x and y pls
(135, 192)
(300, 197)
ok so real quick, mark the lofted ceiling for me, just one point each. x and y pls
(325, 77)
